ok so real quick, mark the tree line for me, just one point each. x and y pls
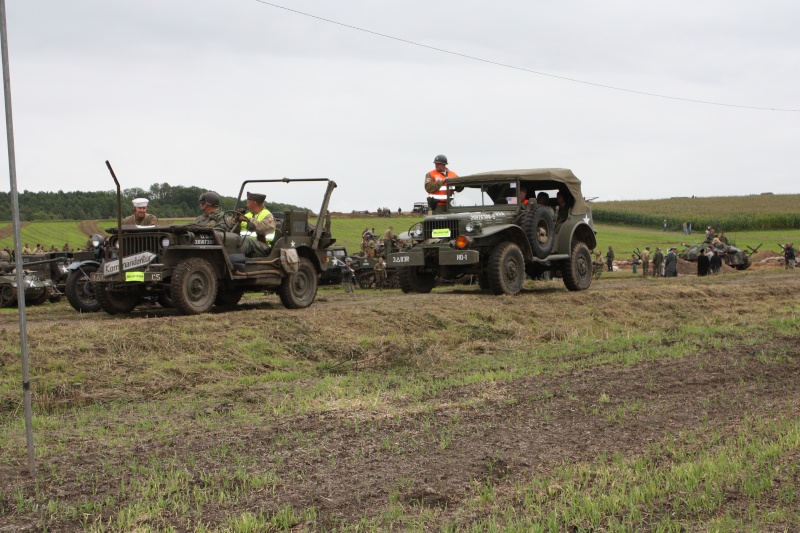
(166, 201)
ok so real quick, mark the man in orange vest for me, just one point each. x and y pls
(434, 181)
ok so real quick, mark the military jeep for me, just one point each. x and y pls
(194, 268)
(491, 227)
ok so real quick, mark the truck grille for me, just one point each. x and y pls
(431, 225)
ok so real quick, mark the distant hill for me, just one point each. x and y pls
(726, 213)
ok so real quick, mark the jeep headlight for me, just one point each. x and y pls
(98, 240)
(472, 226)
(165, 242)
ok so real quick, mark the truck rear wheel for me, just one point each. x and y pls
(506, 269)
(113, 302)
(194, 286)
(298, 290)
(577, 269)
(80, 289)
(415, 279)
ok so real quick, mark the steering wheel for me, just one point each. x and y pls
(229, 220)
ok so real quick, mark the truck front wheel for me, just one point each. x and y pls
(416, 279)
(506, 269)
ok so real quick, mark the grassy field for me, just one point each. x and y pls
(725, 213)
(348, 232)
(638, 405)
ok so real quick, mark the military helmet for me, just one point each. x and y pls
(210, 198)
(440, 159)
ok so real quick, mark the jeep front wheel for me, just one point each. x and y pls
(194, 286)
(577, 269)
(415, 279)
(114, 302)
(298, 290)
(506, 269)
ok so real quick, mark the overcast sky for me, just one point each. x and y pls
(208, 93)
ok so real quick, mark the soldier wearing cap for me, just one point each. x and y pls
(140, 216)
(258, 223)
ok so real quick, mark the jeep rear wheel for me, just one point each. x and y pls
(298, 290)
(80, 289)
(538, 225)
(577, 269)
(114, 302)
(415, 279)
(194, 286)
(506, 269)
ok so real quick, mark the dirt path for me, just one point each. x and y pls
(8, 231)
(89, 228)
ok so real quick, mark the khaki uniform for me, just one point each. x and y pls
(148, 220)
(380, 274)
(645, 257)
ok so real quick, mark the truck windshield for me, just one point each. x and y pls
(484, 195)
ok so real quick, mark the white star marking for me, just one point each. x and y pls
(586, 219)
(292, 244)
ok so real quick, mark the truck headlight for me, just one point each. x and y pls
(416, 231)
(98, 240)
(472, 226)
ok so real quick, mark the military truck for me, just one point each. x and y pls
(492, 227)
(334, 256)
(198, 267)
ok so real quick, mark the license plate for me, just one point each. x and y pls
(440, 233)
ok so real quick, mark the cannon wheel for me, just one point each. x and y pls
(8, 295)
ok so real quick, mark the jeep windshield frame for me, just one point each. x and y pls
(323, 210)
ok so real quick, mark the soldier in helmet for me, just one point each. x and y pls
(212, 214)
(213, 217)
(434, 181)
(140, 216)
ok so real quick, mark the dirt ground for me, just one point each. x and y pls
(512, 434)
